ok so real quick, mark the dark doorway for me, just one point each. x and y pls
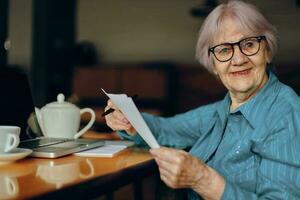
(53, 48)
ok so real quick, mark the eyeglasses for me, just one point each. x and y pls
(248, 46)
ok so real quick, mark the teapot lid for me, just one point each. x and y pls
(60, 103)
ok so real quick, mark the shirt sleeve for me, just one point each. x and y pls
(179, 131)
(278, 174)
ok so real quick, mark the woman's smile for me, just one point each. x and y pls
(241, 73)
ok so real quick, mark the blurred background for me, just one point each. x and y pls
(136, 47)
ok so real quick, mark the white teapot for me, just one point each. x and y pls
(61, 119)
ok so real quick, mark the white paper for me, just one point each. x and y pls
(126, 143)
(104, 151)
(132, 114)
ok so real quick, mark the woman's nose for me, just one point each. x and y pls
(238, 57)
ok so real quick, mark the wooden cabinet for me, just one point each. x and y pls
(197, 87)
(153, 85)
(147, 83)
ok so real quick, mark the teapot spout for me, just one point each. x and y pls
(38, 115)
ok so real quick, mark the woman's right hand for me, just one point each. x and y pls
(117, 121)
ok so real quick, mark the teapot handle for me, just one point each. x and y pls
(89, 125)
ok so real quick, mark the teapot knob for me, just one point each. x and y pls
(60, 98)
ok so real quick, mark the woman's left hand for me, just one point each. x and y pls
(178, 169)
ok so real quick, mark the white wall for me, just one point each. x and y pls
(142, 30)
(139, 30)
(146, 30)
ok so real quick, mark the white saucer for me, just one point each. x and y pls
(14, 155)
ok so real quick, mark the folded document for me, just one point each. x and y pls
(129, 109)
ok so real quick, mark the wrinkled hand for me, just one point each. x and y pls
(117, 121)
(178, 169)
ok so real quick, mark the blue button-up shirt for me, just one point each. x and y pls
(256, 148)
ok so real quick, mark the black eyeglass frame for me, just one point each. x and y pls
(259, 39)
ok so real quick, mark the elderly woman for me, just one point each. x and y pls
(246, 146)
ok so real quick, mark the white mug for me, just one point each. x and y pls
(9, 138)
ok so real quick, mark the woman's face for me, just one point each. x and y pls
(241, 75)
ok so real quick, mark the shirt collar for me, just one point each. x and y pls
(264, 98)
(223, 108)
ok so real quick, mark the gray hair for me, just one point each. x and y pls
(246, 15)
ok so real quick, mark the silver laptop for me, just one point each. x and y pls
(16, 105)
(57, 147)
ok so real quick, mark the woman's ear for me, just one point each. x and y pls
(214, 71)
(213, 68)
(268, 56)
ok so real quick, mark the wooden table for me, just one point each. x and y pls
(77, 177)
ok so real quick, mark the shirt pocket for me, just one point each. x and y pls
(240, 160)
(242, 168)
